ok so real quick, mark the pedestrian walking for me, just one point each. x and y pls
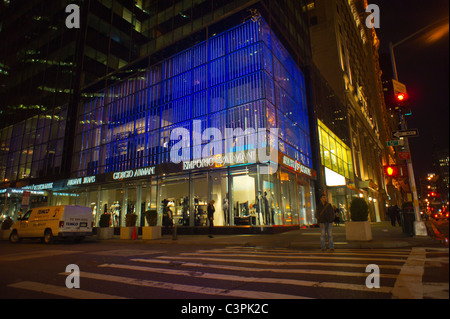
(210, 209)
(396, 216)
(325, 215)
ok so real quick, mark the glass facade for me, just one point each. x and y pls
(335, 154)
(33, 148)
(240, 79)
(243, 78)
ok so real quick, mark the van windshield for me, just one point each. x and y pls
(26, 216)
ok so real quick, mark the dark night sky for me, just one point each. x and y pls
(423, 65)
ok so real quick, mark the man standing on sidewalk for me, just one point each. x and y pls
(325, 215)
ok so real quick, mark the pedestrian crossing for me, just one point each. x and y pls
(248, 272)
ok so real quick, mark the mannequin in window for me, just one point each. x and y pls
(225, 210)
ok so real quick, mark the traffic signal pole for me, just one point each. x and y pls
(419, 226)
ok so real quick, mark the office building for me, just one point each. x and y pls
(345, 52)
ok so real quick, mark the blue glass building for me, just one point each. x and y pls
(240, 79)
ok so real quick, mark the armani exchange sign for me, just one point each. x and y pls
(234, 146)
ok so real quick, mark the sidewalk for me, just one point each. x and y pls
(384, 236)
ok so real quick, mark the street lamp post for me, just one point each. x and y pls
(419, 225)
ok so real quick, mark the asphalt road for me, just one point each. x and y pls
(138, 270)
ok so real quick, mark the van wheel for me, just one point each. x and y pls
(48, 237)
(14, 237)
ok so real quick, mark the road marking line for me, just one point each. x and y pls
(291, 282)
(126, 253)
(273, 270)
(409, 282)
(62, 291)
(294, 253)
(37, 254)
(345, 250)
(189, 288)
(328, 257)
(277, 263)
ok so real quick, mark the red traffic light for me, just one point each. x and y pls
(391, 171)
(401, 97)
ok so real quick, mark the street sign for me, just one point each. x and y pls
(395, 143)
(407, 133)
(398, 87)
(404, 155)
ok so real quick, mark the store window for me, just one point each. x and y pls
(112, 203)
(149, 190)
(244, 196)
(200, 198)
(130, 201)
(93, 200)
(301, 203)
(289, 203)
(335, 154)
(218, 185)
(269, 186)
(173, 199)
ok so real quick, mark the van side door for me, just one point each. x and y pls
(24, 225)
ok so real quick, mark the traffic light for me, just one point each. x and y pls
(395, 96)
(434, 194)
(401, 99)
(391, 171)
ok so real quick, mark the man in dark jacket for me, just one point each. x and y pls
(325, 215)
(210, 209)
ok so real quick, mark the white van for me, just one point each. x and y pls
(53, 221)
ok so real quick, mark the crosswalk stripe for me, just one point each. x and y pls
(292, 253)
(328, 257)
(189, 288)
(273, 270)
(409, 282)
(278, 263)
(292, 282)
(307, 251)
(62, 291)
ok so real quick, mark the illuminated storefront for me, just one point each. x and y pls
(336, 158)
(242, 80)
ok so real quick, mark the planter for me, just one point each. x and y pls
(153, 232)
(4, 234)
(358, 231)
(104, 233)
(127, 232)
